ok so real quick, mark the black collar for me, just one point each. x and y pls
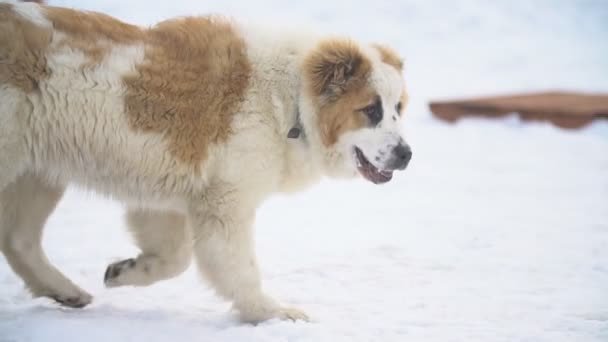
(297, 130)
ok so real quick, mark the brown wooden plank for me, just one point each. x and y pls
(564, 109)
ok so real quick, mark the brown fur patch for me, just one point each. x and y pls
(345, 115)
(389, 56)
(91, 32)
(22, 48)
(337, 77)
(190, 85)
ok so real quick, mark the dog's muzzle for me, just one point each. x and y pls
(401, 156)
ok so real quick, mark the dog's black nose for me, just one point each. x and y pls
(402, 154)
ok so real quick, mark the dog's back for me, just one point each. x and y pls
(98, 100)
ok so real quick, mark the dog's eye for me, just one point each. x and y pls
(399, 107)
(374, 112)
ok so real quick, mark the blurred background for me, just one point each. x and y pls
(497, 231)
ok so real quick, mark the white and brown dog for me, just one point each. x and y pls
(192, 123)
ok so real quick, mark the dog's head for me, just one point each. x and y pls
(355, 97)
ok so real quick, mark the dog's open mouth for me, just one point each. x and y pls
(369, 171)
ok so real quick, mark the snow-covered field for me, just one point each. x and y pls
(498, 231)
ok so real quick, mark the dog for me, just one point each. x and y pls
(192, 124)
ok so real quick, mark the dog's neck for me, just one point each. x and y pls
(302, 167)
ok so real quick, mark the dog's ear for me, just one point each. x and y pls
(389, 56)
(334, 65)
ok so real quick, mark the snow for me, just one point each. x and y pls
(498, 230)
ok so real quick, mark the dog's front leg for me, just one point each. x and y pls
(224, 252)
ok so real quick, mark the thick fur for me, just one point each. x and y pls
(187, 124)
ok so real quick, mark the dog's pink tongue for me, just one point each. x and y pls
(377, 176)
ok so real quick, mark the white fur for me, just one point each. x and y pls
(74, 131)
(31, 11)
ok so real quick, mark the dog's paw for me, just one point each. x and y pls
(292, 314)
(265, 309)
(113, 272)
(76, 301)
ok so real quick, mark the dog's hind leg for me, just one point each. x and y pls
(25, 205)
(166, 244)
(13, 155)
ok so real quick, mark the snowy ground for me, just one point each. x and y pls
(498, 231)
